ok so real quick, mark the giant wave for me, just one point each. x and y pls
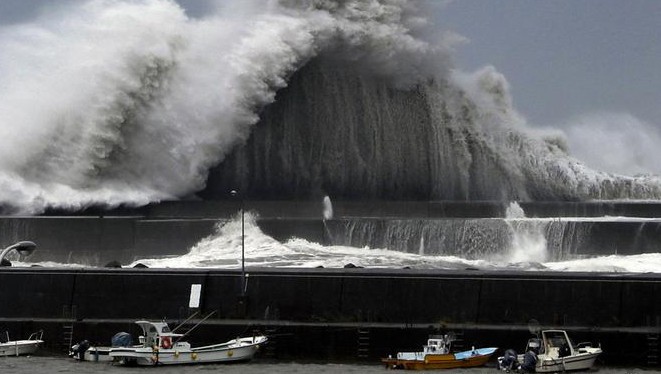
(130, 102)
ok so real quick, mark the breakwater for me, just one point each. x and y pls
(299, 307)
(340, 313)
(468, 229)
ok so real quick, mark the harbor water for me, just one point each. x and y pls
(54, 364)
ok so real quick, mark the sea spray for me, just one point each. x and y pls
(222, 249)
(514, 210)
(528, 243)
(354, 136)
(327, 212)
(126, 102)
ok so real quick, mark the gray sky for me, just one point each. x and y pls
(566, 57)
(562, 58)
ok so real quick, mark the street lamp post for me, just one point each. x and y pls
(243, 246)
(24, 248)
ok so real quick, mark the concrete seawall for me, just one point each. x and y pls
(398, 306)
(96, 241)
(329, 313)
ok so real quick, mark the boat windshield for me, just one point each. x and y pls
(556, 339)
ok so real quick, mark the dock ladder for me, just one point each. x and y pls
(68, 317)
(458, 343)
(652, 349)
(363, 343)
(270, 350)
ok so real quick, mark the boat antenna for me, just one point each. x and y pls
(187, 319)
(197, 324)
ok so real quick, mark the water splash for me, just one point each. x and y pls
(528, 242)
(223, 250)
(514, 211)
(354, 136)
(328, 208)
(127, 102)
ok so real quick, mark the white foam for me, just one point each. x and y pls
(223, 250)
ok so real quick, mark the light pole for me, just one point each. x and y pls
(243, 246)
(24, 248)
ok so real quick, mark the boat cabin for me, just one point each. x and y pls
(437, 344)
(553, 343)
(156, 334)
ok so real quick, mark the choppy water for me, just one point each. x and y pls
(51, 364)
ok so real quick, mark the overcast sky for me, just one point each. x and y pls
(566, 57)
(562, 58)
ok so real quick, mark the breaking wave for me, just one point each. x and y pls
(129, 102)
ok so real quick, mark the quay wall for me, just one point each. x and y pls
(491, 308)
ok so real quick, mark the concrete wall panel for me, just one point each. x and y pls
(143, 294)
(34, 294)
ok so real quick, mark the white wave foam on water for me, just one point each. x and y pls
(223, 250)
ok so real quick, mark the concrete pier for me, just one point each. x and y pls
(397, 308)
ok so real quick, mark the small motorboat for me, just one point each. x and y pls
(160, 346)
(437, 355)
(550, 353)
(22, 347)
(85, 351)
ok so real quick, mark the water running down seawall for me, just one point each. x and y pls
(339, 131)
(440, 235)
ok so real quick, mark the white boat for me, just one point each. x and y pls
(86, 351)
(553, 352)
(160, 346)
(22, 347)
(83, 351)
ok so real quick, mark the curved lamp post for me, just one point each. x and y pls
(24, 248)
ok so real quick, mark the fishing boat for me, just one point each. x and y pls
(549, 352)
(161, 346)
(436, 354)
(21, 347)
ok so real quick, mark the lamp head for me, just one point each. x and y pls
(25, 248)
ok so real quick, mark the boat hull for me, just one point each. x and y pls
(221, 353)
(94, 354)
(578, 362)
(20, 347)
(441, 361)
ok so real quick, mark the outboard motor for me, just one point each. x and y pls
(529, 362)
(509, 361)
(530, 357)
(121, 339)
(78, 350)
